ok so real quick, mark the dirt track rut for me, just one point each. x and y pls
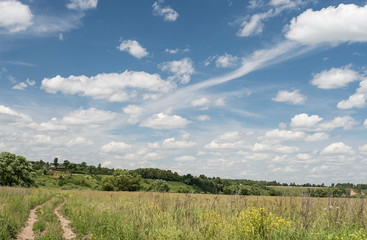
(65, 224)
(27, 232)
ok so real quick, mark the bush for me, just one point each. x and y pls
(244, 191)
(122, 180)
(160, 186)
(258, 223)
(15, 170)
(183, 190)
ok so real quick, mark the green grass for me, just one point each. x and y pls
(106, 215)
(146, 215)
(294, 191)
(48, 226)
(173, 186)
(15, 204)
(66, 181)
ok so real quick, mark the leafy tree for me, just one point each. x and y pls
(56, 162)
(160, 186)
(274, 192)
(122, 180)
(230, 190)
(66, 164)
(244, 191)
(15, 170)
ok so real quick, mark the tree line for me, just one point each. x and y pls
(15, 170)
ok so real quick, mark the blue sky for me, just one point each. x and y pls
(260, 89)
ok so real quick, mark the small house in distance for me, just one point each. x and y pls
(59, 168)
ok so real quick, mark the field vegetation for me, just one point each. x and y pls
(17, 171)
(148, 215)
(15, 204)
(151, 203)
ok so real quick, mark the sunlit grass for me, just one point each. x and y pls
(105, 215)
(139, 215)
(15, 204)
(48, 226)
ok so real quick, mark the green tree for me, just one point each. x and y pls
(160, 186)
(15, 170)
(56, 162)
(66, 164)
(122, 180)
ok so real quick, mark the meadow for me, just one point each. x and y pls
(147, 215)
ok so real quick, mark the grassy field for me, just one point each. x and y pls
(15, 204)
(139, 215)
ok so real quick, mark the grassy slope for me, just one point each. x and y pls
(88, 182)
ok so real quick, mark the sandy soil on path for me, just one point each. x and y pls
(65, 224)
(27, 232)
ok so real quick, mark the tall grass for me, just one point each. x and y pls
(48, 226)
(105, 215)
(127, 215)
(15, 204)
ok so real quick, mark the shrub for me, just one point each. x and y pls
(160, 186)
(122, 180)
(258, 223)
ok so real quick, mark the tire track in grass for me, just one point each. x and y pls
(27, 232)
(68, 233)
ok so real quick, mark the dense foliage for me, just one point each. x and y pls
(15, 170)
(122, 180)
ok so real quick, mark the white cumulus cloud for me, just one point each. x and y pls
(315, 123)
(337, 148)
(181, 69)
(134, 112)
(88, 116)
(24, 85)
(134, 48)
(80, 141)
(295, 97)
(363, 149)
(305, 122)
(228, 140)
(285, 135)
(227, 60)
(260, 147)
(334, 25)
(115, 147)
(82, 4)
(114, 87)
(357, 100)
(15, 16)
(6, 111)
(345, 122)
(173, 143)
(335, 78)
(164, 121)
(185, 159)
(168, 14)
(203, 118)
(316, 137)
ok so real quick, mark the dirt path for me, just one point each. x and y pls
(27, 232)
(65, 224)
